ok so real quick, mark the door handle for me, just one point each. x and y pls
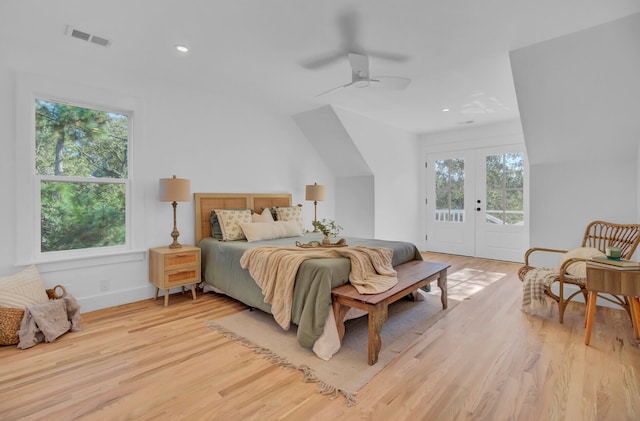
(478, 209)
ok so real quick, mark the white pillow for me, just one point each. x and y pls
(22, 289)
(230, 220)
(257, 231)
(264, 217)
(291, 213)
(579, 269)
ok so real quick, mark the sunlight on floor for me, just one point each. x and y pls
(466, 282)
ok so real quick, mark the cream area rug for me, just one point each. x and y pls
(347, 371)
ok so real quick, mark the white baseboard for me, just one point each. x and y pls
(115, 298)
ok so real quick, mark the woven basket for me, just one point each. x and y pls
(10, 319)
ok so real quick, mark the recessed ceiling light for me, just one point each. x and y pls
(444, 110)
(182, 48)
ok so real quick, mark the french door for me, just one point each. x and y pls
(477, 203)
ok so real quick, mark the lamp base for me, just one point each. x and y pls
(175, 233)
(175, 245)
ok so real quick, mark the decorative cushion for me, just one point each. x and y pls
(230, 221)
(579, 269)
(265, 216)
(291, 213)
(216, 231)
(22, 289)
(257, 231)
(274, 213)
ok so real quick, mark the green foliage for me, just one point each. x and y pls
(84, 144)
(327, 227)
(450, 185)
(504, 187)
(505, 183)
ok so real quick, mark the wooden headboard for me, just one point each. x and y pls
(206, 202)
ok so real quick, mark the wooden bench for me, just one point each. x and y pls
(411, 276)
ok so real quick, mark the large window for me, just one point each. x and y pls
(81, 167)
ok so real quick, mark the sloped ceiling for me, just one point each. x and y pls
(579, 94)
(326, 133)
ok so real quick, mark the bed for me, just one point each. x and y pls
(311, 309)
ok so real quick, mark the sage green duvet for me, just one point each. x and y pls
(314, 281)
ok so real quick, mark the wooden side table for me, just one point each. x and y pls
(613, 281)
(171, 268)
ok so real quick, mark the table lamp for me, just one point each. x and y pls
(316, 193)
(175, 190)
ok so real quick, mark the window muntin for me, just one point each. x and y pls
(81, 167)
(505, 189)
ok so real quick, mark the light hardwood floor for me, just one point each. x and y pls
(485, 360)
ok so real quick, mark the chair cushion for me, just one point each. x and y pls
(579, 269)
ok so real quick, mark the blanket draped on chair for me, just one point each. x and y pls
(534, 284)
(274, 270)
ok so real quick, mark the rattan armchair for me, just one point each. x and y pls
(599, 235)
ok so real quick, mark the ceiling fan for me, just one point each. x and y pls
(348, 26)
(360, 77)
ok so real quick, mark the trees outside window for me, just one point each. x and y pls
(450, 190)
(81, 166)
(505, 188)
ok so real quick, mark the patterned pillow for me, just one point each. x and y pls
(230, 221)
(216, 231)
(22, 289)
(291, 213)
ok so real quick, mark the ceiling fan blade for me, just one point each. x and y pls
(334, 89)
(392, 82)
(348, 27)
(322, 60)
(389, 56)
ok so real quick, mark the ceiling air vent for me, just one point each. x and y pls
(85, 36)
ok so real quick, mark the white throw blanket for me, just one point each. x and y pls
(274, 269)
(534, 283)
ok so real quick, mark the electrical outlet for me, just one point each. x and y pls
(104, 285)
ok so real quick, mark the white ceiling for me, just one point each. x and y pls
(457, 50)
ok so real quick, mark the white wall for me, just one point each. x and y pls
(222, 142)
(355, 206)
(578, 99)
(391, 155)
(565, 198)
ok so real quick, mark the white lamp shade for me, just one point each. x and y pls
(175, 189)
(315, 192)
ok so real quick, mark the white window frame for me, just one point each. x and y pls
(28, 247)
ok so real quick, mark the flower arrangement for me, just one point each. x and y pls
(327, 227)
